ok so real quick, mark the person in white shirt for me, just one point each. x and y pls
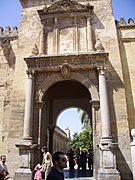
(46, 162)
(4, 174)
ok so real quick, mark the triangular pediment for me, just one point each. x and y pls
(67, 6)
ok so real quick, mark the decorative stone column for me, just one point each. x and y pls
(132, 144)
(107, 169)
(89, 35)
(38, 117)
(28, 117)
(26, 146)
(104, 106)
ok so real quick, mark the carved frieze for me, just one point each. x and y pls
(76, 61)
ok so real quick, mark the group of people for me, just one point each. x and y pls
(51, 167)
(4, 174)
(81, 158)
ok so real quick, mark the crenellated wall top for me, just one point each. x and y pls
(8, 33)
(123, 24)
(127, 30)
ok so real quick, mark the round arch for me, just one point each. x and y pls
(74, 76)
(75, 106)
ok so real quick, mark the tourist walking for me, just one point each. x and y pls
(46, 162)
(4, 174)
(59, 163)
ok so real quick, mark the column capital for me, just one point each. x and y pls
(101, 70)
(95, 104)
(39, 104)
(89, 20)
(30, 73)
(51, 128)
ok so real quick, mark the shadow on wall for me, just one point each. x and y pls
(8, 52)
(123, 167)
(114, 85)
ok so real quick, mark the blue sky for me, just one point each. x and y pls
(10, 14)
(10, 11)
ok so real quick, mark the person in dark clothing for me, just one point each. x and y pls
(59, 163)
(70, 155)
(90, 160)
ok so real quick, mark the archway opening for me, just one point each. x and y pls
(69, 119)
(58, 98)
(77, 125)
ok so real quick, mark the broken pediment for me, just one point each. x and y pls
(67, 6)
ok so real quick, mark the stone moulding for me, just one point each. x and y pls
(76, 62)
(65, 8)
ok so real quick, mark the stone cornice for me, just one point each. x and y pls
(126, 26)
(128, 39)
(65, 8)
(76, 62)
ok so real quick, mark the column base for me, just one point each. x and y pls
(108, 174)
(23, 173)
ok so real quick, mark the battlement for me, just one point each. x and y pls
(122, 23)
(8, 33)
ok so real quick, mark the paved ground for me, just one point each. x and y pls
(78, 174)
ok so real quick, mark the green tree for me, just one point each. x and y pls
(82, 140)
(85, 120)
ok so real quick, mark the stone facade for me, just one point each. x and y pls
(75, 54)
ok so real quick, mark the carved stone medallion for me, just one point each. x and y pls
(65, 70)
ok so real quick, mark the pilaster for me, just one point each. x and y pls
(89, 35)
(42, 40)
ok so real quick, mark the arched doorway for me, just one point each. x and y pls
(59, 96)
